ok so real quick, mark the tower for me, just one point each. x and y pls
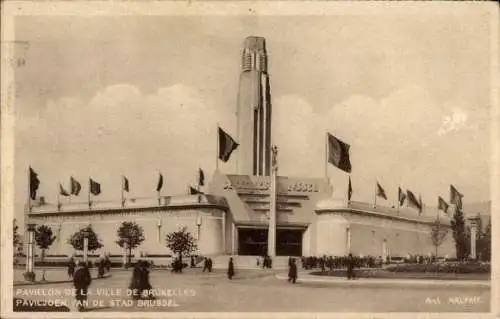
(254, 110)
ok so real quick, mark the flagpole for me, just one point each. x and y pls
(217, 148)
(89, 198)
(123, 185)
(397, 200)
(199, 176)
(326, 155)
(58, 199)
(375, 197)
(29, 193)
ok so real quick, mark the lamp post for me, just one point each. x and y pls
(85, 246)
(474, 222)
(29, 275)
(198, 225)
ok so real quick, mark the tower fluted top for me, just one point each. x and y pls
(255, 43)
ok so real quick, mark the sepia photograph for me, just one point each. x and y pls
(197, 157)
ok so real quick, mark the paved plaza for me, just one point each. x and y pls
(262, 290)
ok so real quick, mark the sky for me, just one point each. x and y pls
(103, 97)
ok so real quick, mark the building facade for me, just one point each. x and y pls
(242, 213)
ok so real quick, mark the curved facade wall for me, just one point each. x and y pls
(156, 225)
(341, 231)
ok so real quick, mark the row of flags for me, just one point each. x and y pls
(338, 156)
(95, 187)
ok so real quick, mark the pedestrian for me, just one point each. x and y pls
(107, 263)
(258, 262)
(350, 267)
(192, 262)
(210, 264)
(292, 271)
(100, 268)
(205, 264)
(81, 281)
(71, 267)
(230, 269)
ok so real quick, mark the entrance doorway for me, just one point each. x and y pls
(253, 242)
(289, 242)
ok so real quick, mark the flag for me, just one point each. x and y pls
(401, 196)
(125, 184)
(160, 183)
(62, 191)
(95, 188)
(413, 202)
(34, 183)
(75, 186)
(201, 177)
(442, 205)
(349, 190)
(338, 153)
(421, 204)
(381, 192)
(455, 197)
(226, 145)
(194, 191)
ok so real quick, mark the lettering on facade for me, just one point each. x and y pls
(265, 185)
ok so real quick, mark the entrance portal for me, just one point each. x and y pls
(289, 242)
(253, 242)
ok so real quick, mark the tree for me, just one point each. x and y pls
(76, 240)
(17, 242)
(438, 235)
(181, 243)
(460, 234)
(44, 238)
(130, 235)
(484, 243)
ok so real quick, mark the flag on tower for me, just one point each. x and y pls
(201, 177)
(34, 183)
(62, 191)
(95, 187)
(401, 196)
(412, 201)
(442, 205)
(226, 145)
(349, 190)
(338, 153)
(160, 183)
(75, 186)
(125, 184)
(381, 192)
(455, 197)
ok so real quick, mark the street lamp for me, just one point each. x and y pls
(29, 275)
(85, 246)
(198, 225)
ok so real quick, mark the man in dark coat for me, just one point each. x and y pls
(292, 271)
(230, 269)
(210, 264)
(81, 281)
(350, 267)
(71, 267)
(205, 264)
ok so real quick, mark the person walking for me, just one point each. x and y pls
(230, 269)
(71, 267)
(350, 267)
(81, 281)
(292, 271)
